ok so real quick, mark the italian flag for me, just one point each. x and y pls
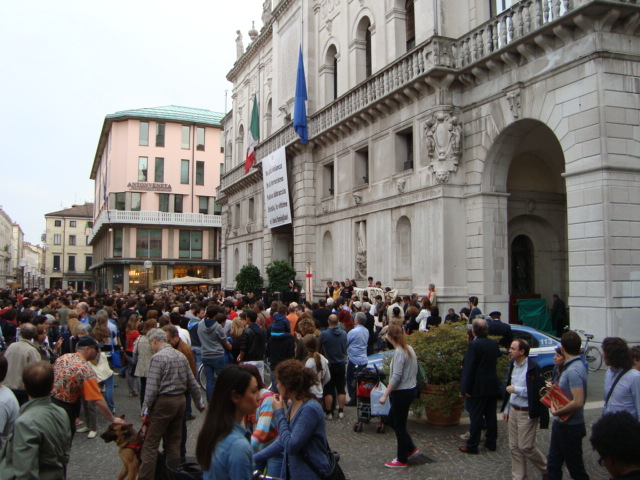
(254, 136)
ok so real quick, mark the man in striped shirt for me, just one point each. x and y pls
(164, 402)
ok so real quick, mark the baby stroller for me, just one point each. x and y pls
(366, 380)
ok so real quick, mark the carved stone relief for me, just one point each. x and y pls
(361, 250)
(443, 138)
(327, 6)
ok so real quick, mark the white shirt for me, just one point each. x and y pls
(184, 335)
(520, 396)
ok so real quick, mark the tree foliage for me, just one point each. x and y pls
(249, 279)
(280, 273)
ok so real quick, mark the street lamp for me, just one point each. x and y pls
(148, 264)
(22, 263)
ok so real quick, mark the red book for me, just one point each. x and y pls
(555, 396)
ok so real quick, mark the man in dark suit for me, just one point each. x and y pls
(481, 388)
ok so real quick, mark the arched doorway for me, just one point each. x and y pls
(527, 164)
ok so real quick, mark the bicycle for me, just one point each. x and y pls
(592, 353)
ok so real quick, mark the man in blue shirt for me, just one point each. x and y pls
(566, 436)
(357, 340)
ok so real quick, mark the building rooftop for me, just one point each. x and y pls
(85, 210)
(173, 112)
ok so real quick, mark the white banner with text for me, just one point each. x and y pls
(276, 189)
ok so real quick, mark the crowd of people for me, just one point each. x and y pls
(62, 350)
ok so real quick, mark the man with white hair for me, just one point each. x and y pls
(19, 355)
(357, 340)
(164, 402)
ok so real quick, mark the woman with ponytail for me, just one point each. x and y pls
(318, 364)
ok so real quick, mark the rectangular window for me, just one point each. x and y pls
(72, 223)
(57, 239)
(159, 134)
(184, 171)
(88, 261)
(120, 201)
(56, 263)
(199, 173)
(251, 211)
(190, 244)
(135, 201)
(217, 208)
(362, 167)
(327, 180)
(164, 202)
(117, 242)
(57, 223)
(72, 239)
(89, 225)
(200, 138)
(159, 171)
(236, 216)
(144, 133)
(177, 203)
(186, 137)
(72, 263)
(404, 150)
(203, 206)
(148, 243)
(142, 169)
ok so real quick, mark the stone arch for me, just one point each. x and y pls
(403, 243)
(329, 72)
(236, 263)
(268, 118)
(327, 256)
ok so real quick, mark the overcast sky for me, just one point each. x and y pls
(65, 65)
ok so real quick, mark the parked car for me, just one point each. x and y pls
(543, 347)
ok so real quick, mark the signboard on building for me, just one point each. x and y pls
(149, 186)
(276, 189)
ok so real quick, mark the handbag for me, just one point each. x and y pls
(335, 471)
(116, 358)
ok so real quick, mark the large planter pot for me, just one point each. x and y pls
(447, 417)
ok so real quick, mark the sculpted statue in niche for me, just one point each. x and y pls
(239, 45)
(361, 251)
(443, 138)
(266, 12)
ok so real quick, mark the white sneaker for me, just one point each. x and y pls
(84, 429)
(328, 416)
(466, 436)
(92, 434)
(340, 414)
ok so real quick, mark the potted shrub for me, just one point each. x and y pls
(249, 279)
(441, 353)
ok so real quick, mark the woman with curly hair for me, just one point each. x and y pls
(302, 429)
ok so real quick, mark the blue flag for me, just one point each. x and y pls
(299, 107)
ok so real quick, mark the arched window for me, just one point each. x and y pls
(240, 142)
(363, 50)
(268, 116)
(236, 263)
(410, 24)
(522, 274)
(330, 74)
(403, 249)
(228, 157)
(327, 256)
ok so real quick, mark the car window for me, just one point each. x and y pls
(531, 340)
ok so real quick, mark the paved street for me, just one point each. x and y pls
(363, 454)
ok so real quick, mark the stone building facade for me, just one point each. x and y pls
(489, 148)
(68, 254)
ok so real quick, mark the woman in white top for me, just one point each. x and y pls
(401, 392)
(316, 363)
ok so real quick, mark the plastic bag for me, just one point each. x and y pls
(378, 409)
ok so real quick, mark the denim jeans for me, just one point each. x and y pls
(400, 401)
(565, 446)
(197, 354)
(212, 367)
(108, 393)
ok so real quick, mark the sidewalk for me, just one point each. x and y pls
(362, 454)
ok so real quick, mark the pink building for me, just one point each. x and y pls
(156, 171)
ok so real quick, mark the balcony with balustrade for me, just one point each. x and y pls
(518, 35)
(109, 218)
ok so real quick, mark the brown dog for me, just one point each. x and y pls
(125, 438)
